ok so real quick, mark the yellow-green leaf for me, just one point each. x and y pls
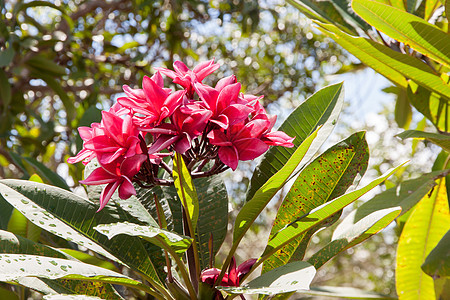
(407, 28)
(394, 65)
(185, 189)
(427, 224)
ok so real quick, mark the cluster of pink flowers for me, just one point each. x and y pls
(212, 127)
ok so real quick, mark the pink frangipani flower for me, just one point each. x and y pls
(116, 176)
(153, 103)
(119, 138)
(187, 78)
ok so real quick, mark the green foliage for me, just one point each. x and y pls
(326, 178)
(426, 225)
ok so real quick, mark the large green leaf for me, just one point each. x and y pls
(407, 28)
(394, 65)
(327, 177)
(406, 195)
(437, 263)
(433, 106)
(426, 225)
(251, 210)
(11, 243)
(436, 138)
(291, 277)
(321, 109)
(213, 214)
(16, 266)
(296, 228)
(330, 12)
(186, 190)
(352, 231)
(160, 237)
(46, 206)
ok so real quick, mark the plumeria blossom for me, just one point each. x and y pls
(240, 142)
(223, 102)
(213, 128)
(153, 103)
(118, 138)
(116, 175)
(187, 78)
(232, 278)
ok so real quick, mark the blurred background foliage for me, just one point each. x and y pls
(62, 62)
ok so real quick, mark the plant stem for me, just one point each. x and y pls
(182, 269)
(192, 252)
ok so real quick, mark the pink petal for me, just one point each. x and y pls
(204, 69)
(157, 78)
(225, 82)
(167, 72)
(227, 95)
(218, 138)
(237, 113)
(133, 93)
(99, 176)
(155, 94)
(251, 148)
(107, 193)
(113, 125)
(222, 121)
(126, 189)
(180, 67)
(82, 155)
(131, 165)
(229, 156)
(85, 133)
(245, 267)
(278, 138)
(183, 144)
(208, 95)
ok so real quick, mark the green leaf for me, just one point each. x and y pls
(6, 56)
(407, 28)
(89, 259)
(439, 139)
(250, 211)
(352, 231)
(326, 178)
(291, 277)
(317, 215)
(329, 12)
(160, 237)
(185, 189)
(426, 225)
(5, 90)
(46, 65)
(16, 266)
(403, 111)
(51, 177)
(213, 214)
(394, 65)
(447, 10)
(433, 106)
(20, 225)
(343, 292)
(11, 243)
(321, 109)
(437, 263)
(46, 206)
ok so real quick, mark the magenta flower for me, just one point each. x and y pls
(240, 142)
(119, 138)
(152, 104)
(116, 176)
(187, 78)
(232, 278)
(275, 138)
(180, 132)
(86, 134)
(223, 102)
